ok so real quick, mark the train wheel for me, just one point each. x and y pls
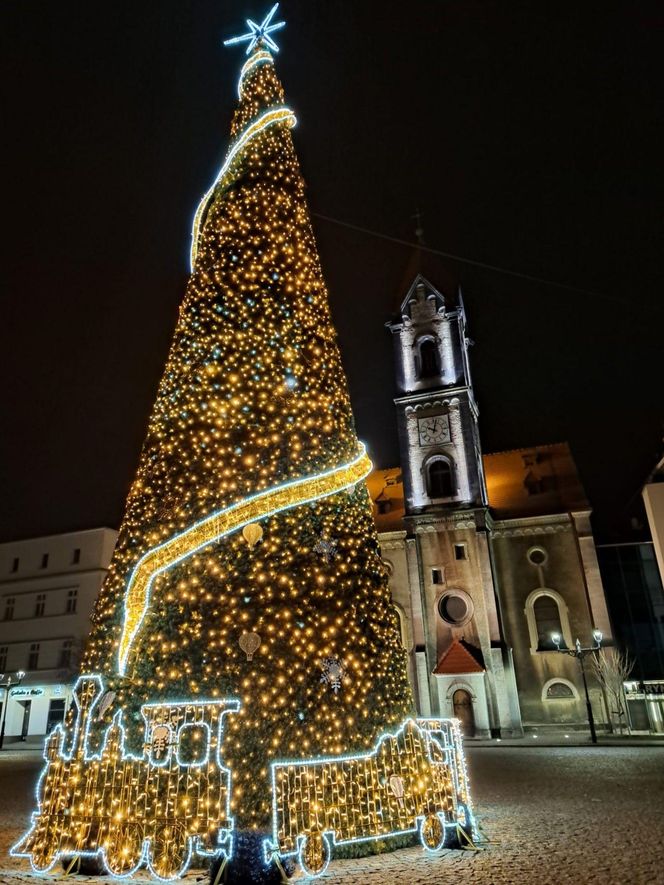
(169, 851)
(124, 851)
(315, 854)
(43, 857)
(432, 832)
(45, 843)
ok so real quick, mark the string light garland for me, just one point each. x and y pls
(221, 523)
(252, 429)
(411, 782)
(158, 808)
(269, 118)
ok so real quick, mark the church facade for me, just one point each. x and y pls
(488, 555)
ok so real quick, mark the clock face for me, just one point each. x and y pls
(434, 430)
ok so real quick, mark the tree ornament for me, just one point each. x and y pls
(334, 672)
(160, 741)
(252, 534)
(106, 700)
(249, 643)
(326, 548)
(397, 787)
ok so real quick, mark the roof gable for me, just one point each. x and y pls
(458, 660)
(422, 292)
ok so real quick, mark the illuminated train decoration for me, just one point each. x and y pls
(173, 801)
(158, 808)
(414, 780)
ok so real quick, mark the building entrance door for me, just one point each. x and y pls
(26, 718)
(463, 711)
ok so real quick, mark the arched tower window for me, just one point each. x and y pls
(546, 613)
(429, 359)
(547, 619)
(440, 479)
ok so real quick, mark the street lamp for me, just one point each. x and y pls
(579, 653)
(20, 676)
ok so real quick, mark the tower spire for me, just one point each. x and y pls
(419, 230)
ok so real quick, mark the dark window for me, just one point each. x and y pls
(429, 361)
(15, 564)
(547, 618)
(10, 602)
(33, 657)
(72, 599)
(193, 744)
(559, 690)
(384, 505)
(537, 556)
(65, 653)
(439, 476)
(76, 557)
(44, 561)
(56, 714)
(3, 658)
(436, 576)
(40, 605)
(460, 551)
(539, 485)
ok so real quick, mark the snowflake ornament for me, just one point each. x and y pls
(326, 547)
(334, 672)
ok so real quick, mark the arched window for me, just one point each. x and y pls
(559, 689)
(547, 619)
(429, 362)
(546, 613)
(440, 480)
(403, 630)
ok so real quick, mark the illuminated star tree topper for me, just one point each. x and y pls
(259, 33)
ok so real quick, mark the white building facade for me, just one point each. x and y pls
(48, 588)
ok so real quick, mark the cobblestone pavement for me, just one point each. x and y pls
(549, 815)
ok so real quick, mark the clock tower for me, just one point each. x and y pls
(436, 409)
(443, 574)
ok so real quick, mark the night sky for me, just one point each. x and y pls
(525, 133)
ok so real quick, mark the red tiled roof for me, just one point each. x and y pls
(457, 659)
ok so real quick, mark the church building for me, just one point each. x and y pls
(488, 555)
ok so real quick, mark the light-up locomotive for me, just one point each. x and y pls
(173, 801)
(159, 808)
(414, 780)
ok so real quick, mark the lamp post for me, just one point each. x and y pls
(20, 676)
(580, 653)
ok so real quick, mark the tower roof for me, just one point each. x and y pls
(425, 263)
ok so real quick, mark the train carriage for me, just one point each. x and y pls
(414, 780)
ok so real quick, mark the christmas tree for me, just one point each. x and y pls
(244, 690)
(247, 564)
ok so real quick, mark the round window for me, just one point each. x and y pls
(537, 555)
(455, 607)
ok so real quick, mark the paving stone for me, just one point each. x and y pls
(550, 816)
